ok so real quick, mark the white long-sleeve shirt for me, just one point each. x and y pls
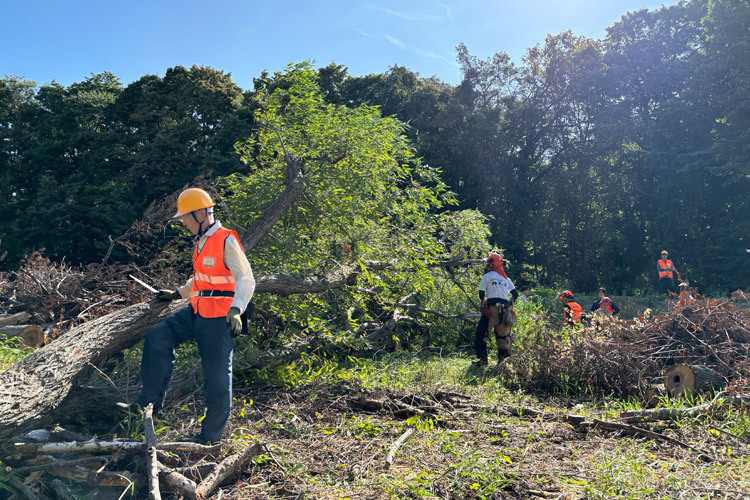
(237, 263)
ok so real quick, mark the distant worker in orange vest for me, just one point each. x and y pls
(666, 271)
(219, 291)
(572, 310)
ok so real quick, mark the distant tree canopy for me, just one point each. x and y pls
(587, 159)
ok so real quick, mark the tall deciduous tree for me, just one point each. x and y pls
(366, 198)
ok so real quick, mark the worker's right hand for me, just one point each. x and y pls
(168, 295)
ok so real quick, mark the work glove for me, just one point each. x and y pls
(168, 295)
(235, 323)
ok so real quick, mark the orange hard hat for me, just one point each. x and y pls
(567, 294)
(494, 261)
(192, 199)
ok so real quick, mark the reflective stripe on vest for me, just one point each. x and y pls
(575, 312)
(210, 273)
(665, 268)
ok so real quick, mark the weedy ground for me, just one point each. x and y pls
(330, 431)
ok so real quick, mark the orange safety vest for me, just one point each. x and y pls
(211, 279)
(665, 268)
(609, 305)
(575, 312)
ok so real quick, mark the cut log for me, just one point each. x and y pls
(226, 468)
(689, 380)
(14, 319)
(31, 335)
(177, 482)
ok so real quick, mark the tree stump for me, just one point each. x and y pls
(687, 380)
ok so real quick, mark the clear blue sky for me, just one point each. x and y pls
(68, 40)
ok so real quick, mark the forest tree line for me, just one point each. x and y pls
(587, 159)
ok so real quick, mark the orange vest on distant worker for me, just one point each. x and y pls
(575, 312)
(211, 279)
(665, 268)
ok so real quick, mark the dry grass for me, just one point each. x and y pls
(329, 436)
(326, 444)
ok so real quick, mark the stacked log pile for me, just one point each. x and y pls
(15, 325)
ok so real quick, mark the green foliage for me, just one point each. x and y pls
(11, 352)
(585, 160)
(367, 198)
(530, 328)
(81, 163)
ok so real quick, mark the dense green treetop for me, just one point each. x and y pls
(586, 159)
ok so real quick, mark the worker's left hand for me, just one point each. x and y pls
(235, 323)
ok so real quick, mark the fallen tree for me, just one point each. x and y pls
(367, 212)
(33, 390)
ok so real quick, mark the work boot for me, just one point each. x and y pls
(128, 407)
(194, 438)
(502, 355)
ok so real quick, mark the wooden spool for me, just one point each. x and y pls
(687, 380)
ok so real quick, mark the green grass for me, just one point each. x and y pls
(11, 352)
(486, 449)
(495, 453)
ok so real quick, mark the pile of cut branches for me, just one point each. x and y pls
(46, 464)
(58, 297)
(624, 357)
(709, 332)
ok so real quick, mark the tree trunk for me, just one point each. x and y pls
(14, 319)
(32, 389)
(294, 189)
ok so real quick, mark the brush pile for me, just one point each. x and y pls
(626, 357)
(54, 297)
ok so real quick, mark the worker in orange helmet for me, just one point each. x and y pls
(572, 310)
(494, 289)
(604, 305)
(219, 291)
